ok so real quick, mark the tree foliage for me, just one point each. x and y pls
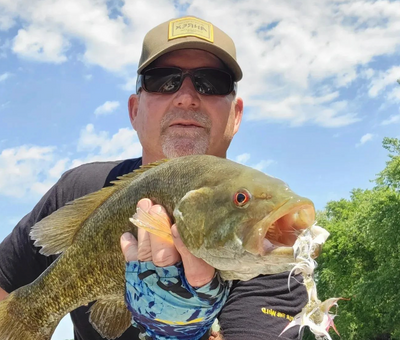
(390, 176)
(361, 259)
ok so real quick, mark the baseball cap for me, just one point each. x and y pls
(189, 32)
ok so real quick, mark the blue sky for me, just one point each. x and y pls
(319, 89)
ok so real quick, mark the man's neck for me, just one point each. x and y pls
(146, 159)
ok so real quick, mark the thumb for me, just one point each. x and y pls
(129, 247)
(198, 273)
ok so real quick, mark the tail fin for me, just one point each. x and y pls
(16, 325)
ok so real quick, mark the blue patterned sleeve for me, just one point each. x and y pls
(165, 306)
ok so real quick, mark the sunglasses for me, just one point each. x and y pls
(206, 81)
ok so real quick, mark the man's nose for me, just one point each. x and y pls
(187, 97)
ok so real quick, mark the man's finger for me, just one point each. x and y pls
(144, 245)
(163, 252)
(198, 273)
(129, 247)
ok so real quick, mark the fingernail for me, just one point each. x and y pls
(145, 204)
(174, 231)
(127, 237)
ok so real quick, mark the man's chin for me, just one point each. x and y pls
(182, 147)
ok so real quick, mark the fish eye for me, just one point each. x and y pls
(241, 198)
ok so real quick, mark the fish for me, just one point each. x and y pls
(238, 219)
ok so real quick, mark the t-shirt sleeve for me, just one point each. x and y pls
(261, 308)
(20, 261)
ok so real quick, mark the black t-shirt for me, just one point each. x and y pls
(256, 309)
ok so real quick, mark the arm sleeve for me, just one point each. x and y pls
(20, 261)
(261, 308)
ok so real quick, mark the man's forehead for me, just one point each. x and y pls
(189, 56)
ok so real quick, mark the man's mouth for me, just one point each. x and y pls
(185, 124)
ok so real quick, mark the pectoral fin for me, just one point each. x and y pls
(110, 317)
(159, 225)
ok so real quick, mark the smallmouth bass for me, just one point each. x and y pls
(239, 220)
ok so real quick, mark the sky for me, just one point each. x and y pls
(319, 89)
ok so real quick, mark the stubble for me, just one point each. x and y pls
(177, 142)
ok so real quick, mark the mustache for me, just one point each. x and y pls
(197, 116)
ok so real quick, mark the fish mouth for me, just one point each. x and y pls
(278, 231)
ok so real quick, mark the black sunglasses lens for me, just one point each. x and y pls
(162, 80)
(213, 82)
(206, 81)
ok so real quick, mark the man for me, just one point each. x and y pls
(185, 104)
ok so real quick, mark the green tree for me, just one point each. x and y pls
(361, 259)
(390, 176)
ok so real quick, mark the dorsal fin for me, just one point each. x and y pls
(138, 172)
(56, 232)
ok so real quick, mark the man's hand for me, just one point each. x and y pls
(170, 293)
(153, 248)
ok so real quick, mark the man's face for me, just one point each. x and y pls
(185, 122)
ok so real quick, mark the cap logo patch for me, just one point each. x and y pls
(191, 27)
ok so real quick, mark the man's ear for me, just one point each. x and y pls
(238, 113)
(133, 108)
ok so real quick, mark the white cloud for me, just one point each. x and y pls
(298, 110)
(288, 53)
(58, 168)
(243, 158)
(6, 19)
(88, 76)
(365, 138)
(23, 168)
(4, 76)
(112, 42)
(391, 120)
(98, 146)
(29, 171)
(130, 84)
(383, 80)
(261, 165)
(107, 108)
(394, 95)
(40, 44)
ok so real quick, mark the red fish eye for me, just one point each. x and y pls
(241, 198)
